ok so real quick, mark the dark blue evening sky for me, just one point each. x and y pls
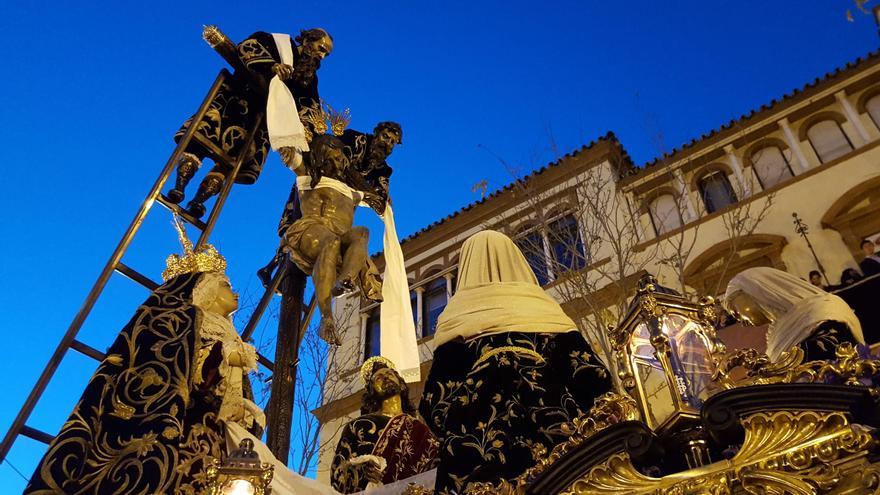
(91, 93)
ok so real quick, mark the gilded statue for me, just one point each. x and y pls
(387, 442)
(324, 242)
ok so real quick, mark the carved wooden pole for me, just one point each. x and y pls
(279, 411)
(280, 408)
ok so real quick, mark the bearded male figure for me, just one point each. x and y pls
(387, 442)
(235, 108)
(368, 154)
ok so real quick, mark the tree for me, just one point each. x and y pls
(320, 376)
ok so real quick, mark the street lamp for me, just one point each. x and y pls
(241, 473)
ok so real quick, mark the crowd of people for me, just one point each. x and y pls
(868, 267)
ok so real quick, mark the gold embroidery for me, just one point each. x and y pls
(509, 348)
(121, 410)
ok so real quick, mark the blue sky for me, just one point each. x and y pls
(92, 92)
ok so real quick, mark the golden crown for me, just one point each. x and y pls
(207, 259)
(369, 364)
(338, 120)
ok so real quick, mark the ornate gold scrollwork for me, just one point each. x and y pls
(790, 368)
(785, 452)
(607, 410)
(414, 489)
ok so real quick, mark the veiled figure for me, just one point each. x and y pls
(797, 313)
(509, 370)
(152, 414)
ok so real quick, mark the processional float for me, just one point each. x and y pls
(295, 315)
(691, 418)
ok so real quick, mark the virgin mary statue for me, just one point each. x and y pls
(152, 416)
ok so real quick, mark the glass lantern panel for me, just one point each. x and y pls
(652, 381)
(691, 359)
(238, 487)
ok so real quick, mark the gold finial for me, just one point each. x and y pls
(207, 259)
(369, 364)
(338, 120)
(213, 35)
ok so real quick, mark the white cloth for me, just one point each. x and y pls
(425, 480)
(795, 307)
(497, 292)
(282, 115)
(397, 339)
(285, 481)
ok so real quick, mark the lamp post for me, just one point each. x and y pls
(665, 350)
(241, 473)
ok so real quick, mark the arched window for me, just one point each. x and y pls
(716, 191)
(665, 214)
(371, 336)
(433, 302)
(771, 166)
(828, 140)
(873, 108)
(566, 244)
(532, 247)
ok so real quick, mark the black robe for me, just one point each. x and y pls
(490, 412)
(140, 427)
(869, 266)
(367, 176)
(233, 111)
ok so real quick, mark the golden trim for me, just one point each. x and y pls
(509, 348)
(785, 452)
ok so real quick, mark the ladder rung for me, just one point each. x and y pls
(38, 435)
(87, 350)
(163, 200)
(136, 276)
(265, 362)
(219, 155)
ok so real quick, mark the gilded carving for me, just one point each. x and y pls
(790, 368)
(785, 452)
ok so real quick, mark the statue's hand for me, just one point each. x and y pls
(292, 158)
(375, 202)
(373, 472)
(235, 359)
(283, 71)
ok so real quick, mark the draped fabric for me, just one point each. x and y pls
(233, 111)
(497, 292)
(282, 116)
(795, 306)
(491, 399)
(405, 443)
(140, 427)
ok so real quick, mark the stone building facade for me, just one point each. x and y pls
(727, 197)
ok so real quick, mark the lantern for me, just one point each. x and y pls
(241, 473)
(665, 349)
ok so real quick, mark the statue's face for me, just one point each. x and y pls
(319, 48)
(226, 301)
(337, 159)
(748, 309)
(385, 382)
(386, 139)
